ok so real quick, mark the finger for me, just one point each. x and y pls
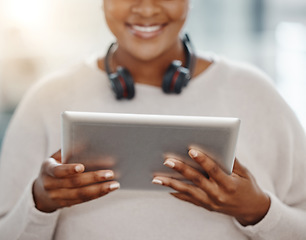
(78, 180)
(58, 170)
(84, 193)
(68, 203)
(210, 167)
(182, 187)
(186, 198)
(239, 169)
(191, 174)
(94, 162)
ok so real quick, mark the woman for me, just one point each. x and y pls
(49, 200)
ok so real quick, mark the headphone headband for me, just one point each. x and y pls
(106, 62)
(189, 52)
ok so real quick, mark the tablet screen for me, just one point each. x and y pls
(134, 146)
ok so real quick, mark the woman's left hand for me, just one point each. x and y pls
(237, 195)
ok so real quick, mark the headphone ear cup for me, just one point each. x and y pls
(168, 76)
(181, 79)
(116, 85)
(175, 78)
(126, 82)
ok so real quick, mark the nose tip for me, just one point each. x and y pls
(146, 8)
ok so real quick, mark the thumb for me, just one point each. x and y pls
(240, 169)
(57, 156)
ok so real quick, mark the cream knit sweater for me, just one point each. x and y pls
(271, 144)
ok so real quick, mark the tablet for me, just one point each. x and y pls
(134, 146)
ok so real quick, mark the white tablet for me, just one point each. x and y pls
(135, 145)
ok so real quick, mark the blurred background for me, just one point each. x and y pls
(38, 37)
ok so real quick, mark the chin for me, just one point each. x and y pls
(144, 51)
(146, 56)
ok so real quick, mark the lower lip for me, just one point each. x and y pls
(145, 35)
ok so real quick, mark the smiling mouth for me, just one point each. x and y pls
(146, 31)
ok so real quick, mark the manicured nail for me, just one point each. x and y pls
(169, 163)
(193, 153)
(157, 181)
(108, 175)
(114, 186)
(79, 168)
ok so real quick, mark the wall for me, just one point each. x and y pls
(42, 36)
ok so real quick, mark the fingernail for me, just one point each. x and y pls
(157, 181)
(108, 175)
(114, 186)
(79, 168)
(169, 163)
(193, 153)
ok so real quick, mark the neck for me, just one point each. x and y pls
(150, 71)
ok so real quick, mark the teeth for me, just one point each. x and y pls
(146, 28)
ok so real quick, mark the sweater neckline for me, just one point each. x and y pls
(92, 63)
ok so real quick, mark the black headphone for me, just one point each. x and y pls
(175, 78)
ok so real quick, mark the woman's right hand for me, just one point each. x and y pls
(62, 185)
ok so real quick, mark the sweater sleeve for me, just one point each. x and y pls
(282, 222)
(24, 221)
(24, 149)
(286, 217)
